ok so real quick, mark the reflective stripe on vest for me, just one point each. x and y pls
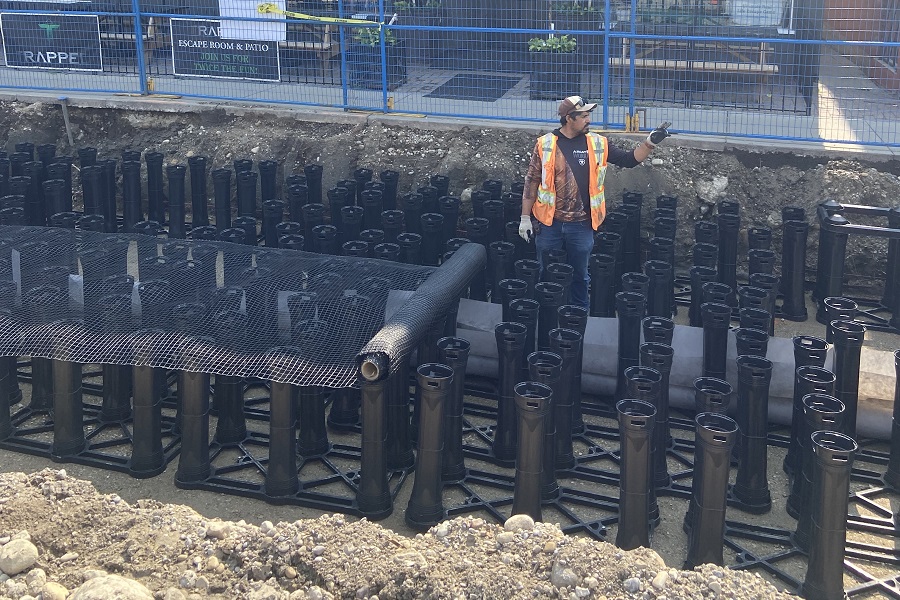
(545, 207)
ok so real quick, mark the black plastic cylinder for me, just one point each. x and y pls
(706, 232)
(751, 488)
(636, 282)
(568, 345)
(550, 296)
(248, 224)
(68, 407)
(91, 188)
(759, 238)
(716, 319)
(373, 496)
(131, 195)
(199, 199)
(699, 277)
(630, 311)
(603, 272)
(658, 329)
(222, 198)
(838, 309)
(636, 423)
(246, 193)
(892, 270)
(281, 470)
(545, 368)
(313, 216)
(193, 461)
(729, 226)
(830, 265)
(268, 170)
(714, 291)
(754, 318)
(297, 198)
(715, 436)
(351, 222)
(432, 227)
(632, 241)
(705, 255)
(821, 412)
(391, 180)
(426, 507)
(712, 395)
(574, 317)
(660, 288)
(6, 373)
(454, 352)
(147, 455)
(610, 243)
(175, 176)
(273, 213)
(751, 342)
(659, 356)
(834, 455)
(411, 205)
(848, 341)
(761, 261)
(410, 245)
(533, 404)
(392, 224)
(372, 204)
(156, 210)
(312, 435)
(511, 350)
(314, 182)
(643, 383)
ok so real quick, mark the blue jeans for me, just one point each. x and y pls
(577, 239)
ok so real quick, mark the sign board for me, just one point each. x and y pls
(47, 41)
(247, 24)
(199, 50)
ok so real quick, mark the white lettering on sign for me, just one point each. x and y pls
(208, 31)
(52, 58)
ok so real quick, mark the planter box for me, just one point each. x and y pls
(364, 66)
(554, 75)
(590, 47)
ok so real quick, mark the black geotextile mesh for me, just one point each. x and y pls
(216, 307)
(431, 301)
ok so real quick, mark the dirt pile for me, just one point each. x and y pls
(64, 536)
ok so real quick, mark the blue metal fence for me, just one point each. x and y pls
(780, 69)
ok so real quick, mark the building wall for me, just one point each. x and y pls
(861, 20)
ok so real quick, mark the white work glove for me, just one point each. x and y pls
(525, 228)
(659, 134)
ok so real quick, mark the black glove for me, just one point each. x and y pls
(659, 134)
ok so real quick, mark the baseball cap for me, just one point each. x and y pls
(574, 104)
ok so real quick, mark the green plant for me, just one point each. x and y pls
(412, 4)
(369, 36)
(572, 7)
(556, 43)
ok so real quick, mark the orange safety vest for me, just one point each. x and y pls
(545, 206)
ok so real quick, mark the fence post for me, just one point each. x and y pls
(139, 47)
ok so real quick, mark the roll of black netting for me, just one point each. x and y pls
(729, 227)
(821, 412)
(454, 352)
(199, 209)
(636, 283)
(131, 195)
(834, 455)
(432, 228)
(751, 488)
(660, 286)
(351, 220)
(297, 197)
(391, 180)
(761, 261)
(830, 263)
(175, 175)
(493, 212)
(248, 224)
(156, 210)
(533, 403)
(658, 330)
(545, 368)
(793, 270)
(715, 436)
(706, 232)
(410, 250)
(636, 422)
(630, 311)
(575, 318)
(529, 271)
(561, 273)
(314, 182)
(631, 243)
(511, 350)
(479, 197)
(273, 214)
(550, 297)
(494, 187)
(700, 276)
(222, 198)
(602, 271)
(411, 204)
(751, 342)
(246, 193)
(448, 206)
(712, 395)
(848, 341)
(716, 319)
(659, 356)
(759, 238)
(705, 255)
(568, 345)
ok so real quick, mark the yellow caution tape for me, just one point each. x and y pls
(268, 7)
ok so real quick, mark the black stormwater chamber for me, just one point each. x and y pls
(848, 341)
(643, 384)
(546, 368)
(809, 351)
(636, 422)
(716, 319)
(630, 311)
(511, 348)
(751, 488)
(533, 403)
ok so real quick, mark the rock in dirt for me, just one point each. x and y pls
(111, 587)
(17, 556)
